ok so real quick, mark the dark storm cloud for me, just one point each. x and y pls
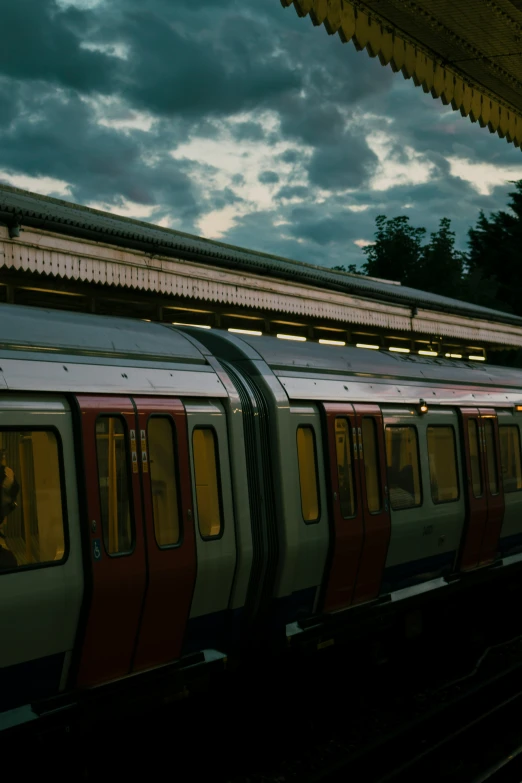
(37, 44)
(344, 165)
(268, 177)
(293, 191)
(191, 64)
(248, 131)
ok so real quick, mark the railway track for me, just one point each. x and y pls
(452, 732)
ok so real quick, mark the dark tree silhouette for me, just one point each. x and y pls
(397, 252)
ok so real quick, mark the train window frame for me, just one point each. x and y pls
(476, 423)
(456, 455)
(419, 466)
(317, 519)
(516, 427)
(63, 495)
(352, 435)
(219, 475)
(175, 443)
(130, 485)
(378, 454)
(486, 420)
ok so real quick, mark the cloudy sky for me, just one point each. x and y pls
(223, 120)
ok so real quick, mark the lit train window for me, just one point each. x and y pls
(491, 456)
(113, 480)
(164, 481)
(402, 461)
(204, 447)
(474, 458)
(344, 453)
(510, 458)
(371, 465)
(31, 500)
(442, 459)
(308, 474)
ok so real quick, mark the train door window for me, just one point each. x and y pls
(113, 480)
(442, 458)
(510, 458)
(31, 500)
(402, 460)
(204, 447)
(371, 464)
(164, 481)
(344, 453)
(474, 458)
(491, 455)
(306, 456)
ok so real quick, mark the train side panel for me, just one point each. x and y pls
(41, 593)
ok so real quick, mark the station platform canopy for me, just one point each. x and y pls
(468, 53)
(57, 254)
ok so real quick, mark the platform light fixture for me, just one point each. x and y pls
(292, 337)
(246, 331)
(453, 355)
(332, 342)
(428, 353)
(196, 326)
(399, 350)
(477, 358)
(367, 345)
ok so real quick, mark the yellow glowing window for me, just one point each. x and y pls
(113, 480)
(204, 447)
(164, 481)
(474, 458)
(491, 455)
(443, 464)
(510, 458)
(344, 453)
(402, 462)
(308, 474)
(31, 512)
(371, 465)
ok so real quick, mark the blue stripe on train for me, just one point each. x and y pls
(416, 571)
(30, 681)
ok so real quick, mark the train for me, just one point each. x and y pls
(172, 497)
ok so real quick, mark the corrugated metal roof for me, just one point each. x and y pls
(72, 219)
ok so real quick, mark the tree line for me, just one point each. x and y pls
(488, 273)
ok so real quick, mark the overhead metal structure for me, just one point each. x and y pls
(468, 53)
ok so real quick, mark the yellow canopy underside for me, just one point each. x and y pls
(465, 52)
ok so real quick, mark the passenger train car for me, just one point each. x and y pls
(171, 497)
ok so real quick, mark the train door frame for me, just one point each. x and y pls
(377, 524)
(484, 514)
(373, 529)
(346, 533)
(496, 505)
(171, 569)
(113, 614)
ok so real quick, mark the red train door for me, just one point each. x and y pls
(493, 485)
(485, 500)
(348, 530)
(169, 526)
(117, 552)
(360, 504)
(374, 501)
